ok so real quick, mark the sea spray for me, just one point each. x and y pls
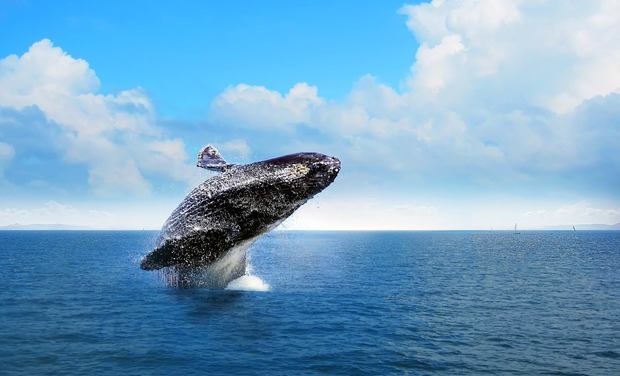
(248, 283)
(234, 266)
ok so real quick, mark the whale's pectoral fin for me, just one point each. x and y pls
(211, 159)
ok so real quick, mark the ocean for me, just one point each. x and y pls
(350, 303)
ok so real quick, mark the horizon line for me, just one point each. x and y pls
(548, 228)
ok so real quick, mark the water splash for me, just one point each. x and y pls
(233, 272)
(248, 283)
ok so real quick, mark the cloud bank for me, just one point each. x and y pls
(502, 96)
(113, 135)
(507, 90)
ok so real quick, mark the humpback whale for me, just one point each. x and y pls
(204, 241)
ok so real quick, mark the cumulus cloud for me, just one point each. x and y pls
(497, 87)
(112, 134)
(549, 54)
(500, 92)
(237, 147)
(256, 106)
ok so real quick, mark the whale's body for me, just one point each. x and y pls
(218, 220)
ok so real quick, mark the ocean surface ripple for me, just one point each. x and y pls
(363, 303)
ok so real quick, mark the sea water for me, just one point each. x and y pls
(330, 302)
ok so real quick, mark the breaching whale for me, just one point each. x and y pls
(205, 239)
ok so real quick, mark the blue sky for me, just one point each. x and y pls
(450, 114)
(185, 53)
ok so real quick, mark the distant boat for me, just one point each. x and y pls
(516, 229)
(574, 229)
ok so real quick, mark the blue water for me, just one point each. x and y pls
(340, 303)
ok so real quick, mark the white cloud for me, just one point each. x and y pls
(500, 90)
(236, 147)
(431, 22)
(257, 106)
(436, 66)
(498, 87)
(113, 135)
(501, 93)
(548, 53)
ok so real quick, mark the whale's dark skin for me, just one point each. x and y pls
(237, 206)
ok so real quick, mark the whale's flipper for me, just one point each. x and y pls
(211, 159)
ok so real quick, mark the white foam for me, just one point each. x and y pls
(231, 265)
(248, 283)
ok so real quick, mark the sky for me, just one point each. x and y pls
(472, 114)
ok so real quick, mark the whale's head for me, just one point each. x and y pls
(273, 189)
(304, 173)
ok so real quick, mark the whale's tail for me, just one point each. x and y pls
(211, 159)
